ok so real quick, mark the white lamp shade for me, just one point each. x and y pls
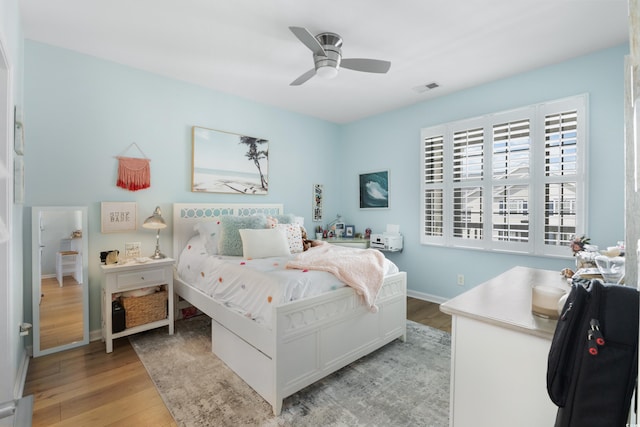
(155, 221)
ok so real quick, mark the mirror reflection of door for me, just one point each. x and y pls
(59, 279)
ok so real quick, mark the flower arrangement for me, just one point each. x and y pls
(578, 244)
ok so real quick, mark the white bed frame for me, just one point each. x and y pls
(309, 339)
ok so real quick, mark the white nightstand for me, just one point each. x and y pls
(352, 243)
(126, 277)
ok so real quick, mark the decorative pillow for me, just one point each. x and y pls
(294, 237)
(209, 231)
(263, 243)
(272, 222)
(229, 241)
(285, 218)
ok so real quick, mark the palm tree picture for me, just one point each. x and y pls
(225, 162)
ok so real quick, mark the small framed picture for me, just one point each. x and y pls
(132, 250)
(118, 217)
(339, 227)
(349, 231)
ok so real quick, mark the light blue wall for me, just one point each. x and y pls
(392, 141)
(81, 112)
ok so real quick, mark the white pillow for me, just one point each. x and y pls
(209, 231)
(294, 237)
(263, 242)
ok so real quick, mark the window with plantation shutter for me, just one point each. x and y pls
(511, 144)
(509, 181)
(467, 213)
(433, 167)
(467, 155)
(561, 176)
(434, 160)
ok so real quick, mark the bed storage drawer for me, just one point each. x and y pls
(141, 278)
(254, 367)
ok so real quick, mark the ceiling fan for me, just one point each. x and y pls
(327, 57)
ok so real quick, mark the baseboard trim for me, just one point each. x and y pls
(21, 377)
(24, 411)
(426, 297)
(95, 335)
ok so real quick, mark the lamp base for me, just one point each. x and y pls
(157, 255)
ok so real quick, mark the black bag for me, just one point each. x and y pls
(593, 359)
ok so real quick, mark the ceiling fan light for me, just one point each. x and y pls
(327, 72)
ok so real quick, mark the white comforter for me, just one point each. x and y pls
(251, 287)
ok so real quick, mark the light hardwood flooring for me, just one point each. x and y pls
(428, 313)
(60, 312)
(88, 387)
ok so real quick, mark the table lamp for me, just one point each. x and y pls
(156, 222)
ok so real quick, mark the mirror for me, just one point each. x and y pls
(60, 278)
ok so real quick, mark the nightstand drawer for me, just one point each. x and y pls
(141, 278)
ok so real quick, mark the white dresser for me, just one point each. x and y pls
(499, 353)
(351, 243)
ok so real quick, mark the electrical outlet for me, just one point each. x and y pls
(460, 279)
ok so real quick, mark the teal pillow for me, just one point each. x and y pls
(285, 218)
(229, 240)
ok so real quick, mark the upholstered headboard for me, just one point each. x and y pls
(186, 215)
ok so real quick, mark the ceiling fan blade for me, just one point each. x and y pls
(303, 78)
(308, 40)
(366, 65)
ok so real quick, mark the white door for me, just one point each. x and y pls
(8, 330)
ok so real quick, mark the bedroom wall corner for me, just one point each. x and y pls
(83, 111)
(392, 141)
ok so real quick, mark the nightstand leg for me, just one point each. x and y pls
(171, 312)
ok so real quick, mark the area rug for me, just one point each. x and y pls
(401, 384)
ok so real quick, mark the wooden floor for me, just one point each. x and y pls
(428, 313)
(88, 387)
(60, 312)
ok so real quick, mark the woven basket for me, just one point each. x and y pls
(146, 309)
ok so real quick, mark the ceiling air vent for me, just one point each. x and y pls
(426, 87)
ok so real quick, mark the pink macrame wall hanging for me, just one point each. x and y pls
(134, 173)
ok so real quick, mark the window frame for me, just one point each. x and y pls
(536, 181)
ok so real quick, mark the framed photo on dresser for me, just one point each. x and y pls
(349, 231)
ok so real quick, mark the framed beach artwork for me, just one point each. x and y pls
(226, 162)
(374, 190)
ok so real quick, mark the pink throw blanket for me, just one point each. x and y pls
(362, 269)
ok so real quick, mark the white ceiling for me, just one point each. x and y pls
(244, 47)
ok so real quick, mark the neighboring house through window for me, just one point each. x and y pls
(511, 181)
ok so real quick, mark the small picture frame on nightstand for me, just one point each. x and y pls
(132, 250)
(349, 231)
